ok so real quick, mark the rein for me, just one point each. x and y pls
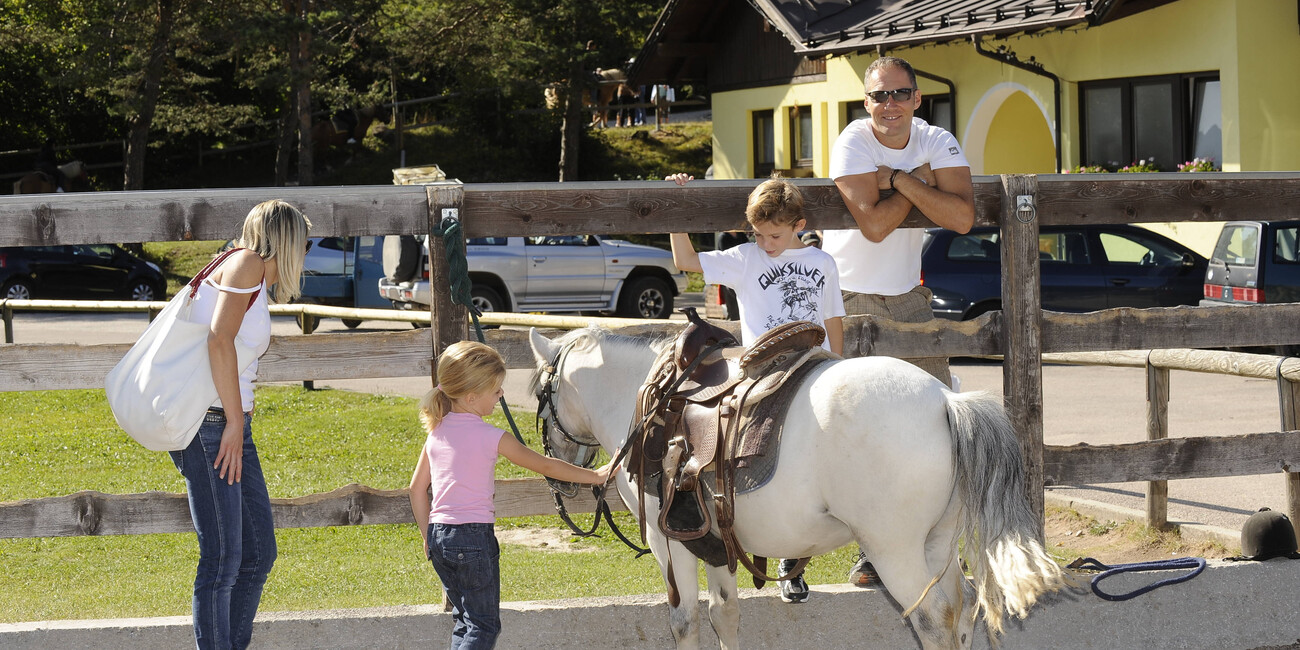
(548, 415)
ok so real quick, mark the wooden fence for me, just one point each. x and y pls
(1021, 332)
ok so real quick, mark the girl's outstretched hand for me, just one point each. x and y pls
(680, 178)
(607, 471)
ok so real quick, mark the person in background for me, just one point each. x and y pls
(457, 465)
(662, 96)
(223, 473)
(47, 163)
(924, 168)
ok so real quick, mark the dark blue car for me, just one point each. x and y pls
(85, 271)
(1083, 268)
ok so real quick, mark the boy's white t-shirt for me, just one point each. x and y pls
(893, 266)
(799, 284)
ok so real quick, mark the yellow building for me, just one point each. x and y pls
(1032, 86)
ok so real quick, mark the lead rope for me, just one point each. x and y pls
(453, 244)
(1195, 563)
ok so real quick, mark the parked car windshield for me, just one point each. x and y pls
(975, 247)
(1238, 245)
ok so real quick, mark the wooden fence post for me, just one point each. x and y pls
(1288, 393)
(449, 321)
(8, 313)
(1022, 370)
(1157, 501)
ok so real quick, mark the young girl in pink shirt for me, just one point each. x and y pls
(458, 462)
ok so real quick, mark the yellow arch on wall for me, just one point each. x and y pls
(1010, 132)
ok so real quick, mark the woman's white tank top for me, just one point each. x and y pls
(254, 332)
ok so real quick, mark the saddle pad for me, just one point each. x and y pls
(762, 433)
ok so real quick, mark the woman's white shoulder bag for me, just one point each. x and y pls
(161, 389)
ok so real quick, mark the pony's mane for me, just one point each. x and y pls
(594, 335)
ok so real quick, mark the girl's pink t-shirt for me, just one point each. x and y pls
(462, 453)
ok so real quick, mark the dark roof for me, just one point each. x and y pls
(840, 26)
(827, 27)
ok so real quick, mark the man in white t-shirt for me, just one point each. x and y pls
(880, 263)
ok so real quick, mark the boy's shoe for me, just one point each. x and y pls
(863, 574)
(794, 590)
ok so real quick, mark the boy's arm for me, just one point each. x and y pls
(419, 495)
(552, 467)
(835, 334)
(684, 255)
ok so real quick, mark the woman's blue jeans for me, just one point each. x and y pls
(467, 559)
(236, 537)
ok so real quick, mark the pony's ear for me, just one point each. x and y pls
(543, 348)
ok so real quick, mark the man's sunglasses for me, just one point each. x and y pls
(308, 246)
(900, 95)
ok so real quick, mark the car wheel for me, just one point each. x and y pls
(17, 289)
(312, 323)
(486, 298)
(143, 291)
(646, 297)
(351, 323)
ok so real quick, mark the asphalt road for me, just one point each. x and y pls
(1082, 404)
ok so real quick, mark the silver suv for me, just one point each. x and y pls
(570, 273)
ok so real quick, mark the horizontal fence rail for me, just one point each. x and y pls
(407, 354)
(494, 209)
(97, 513)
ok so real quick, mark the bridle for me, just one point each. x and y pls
(548, 417)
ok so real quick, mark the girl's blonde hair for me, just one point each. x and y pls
(777, 201)
(465, 367)
(275, 229)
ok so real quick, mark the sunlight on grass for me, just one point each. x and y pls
(60, 442)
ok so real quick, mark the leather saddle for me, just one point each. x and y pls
(698, 405)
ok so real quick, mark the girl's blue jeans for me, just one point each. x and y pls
(467, 559)
(236, 537)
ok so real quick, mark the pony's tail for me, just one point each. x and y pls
(1009, 567)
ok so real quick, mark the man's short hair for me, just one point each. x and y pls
(889, 61)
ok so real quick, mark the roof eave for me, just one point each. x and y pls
(860, 43)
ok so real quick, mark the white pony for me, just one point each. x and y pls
(874, 451)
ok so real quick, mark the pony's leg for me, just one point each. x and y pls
(724, 606)
(684, 619)
(906, 574)
(941, 557)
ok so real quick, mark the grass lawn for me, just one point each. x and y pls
(59, 442)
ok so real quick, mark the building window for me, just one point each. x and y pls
(764, 144)
(1162, 120)
(935, 109)
(801, 136)
(854, 111)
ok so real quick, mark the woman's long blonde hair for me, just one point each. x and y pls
(465, 367)
(275, 229)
